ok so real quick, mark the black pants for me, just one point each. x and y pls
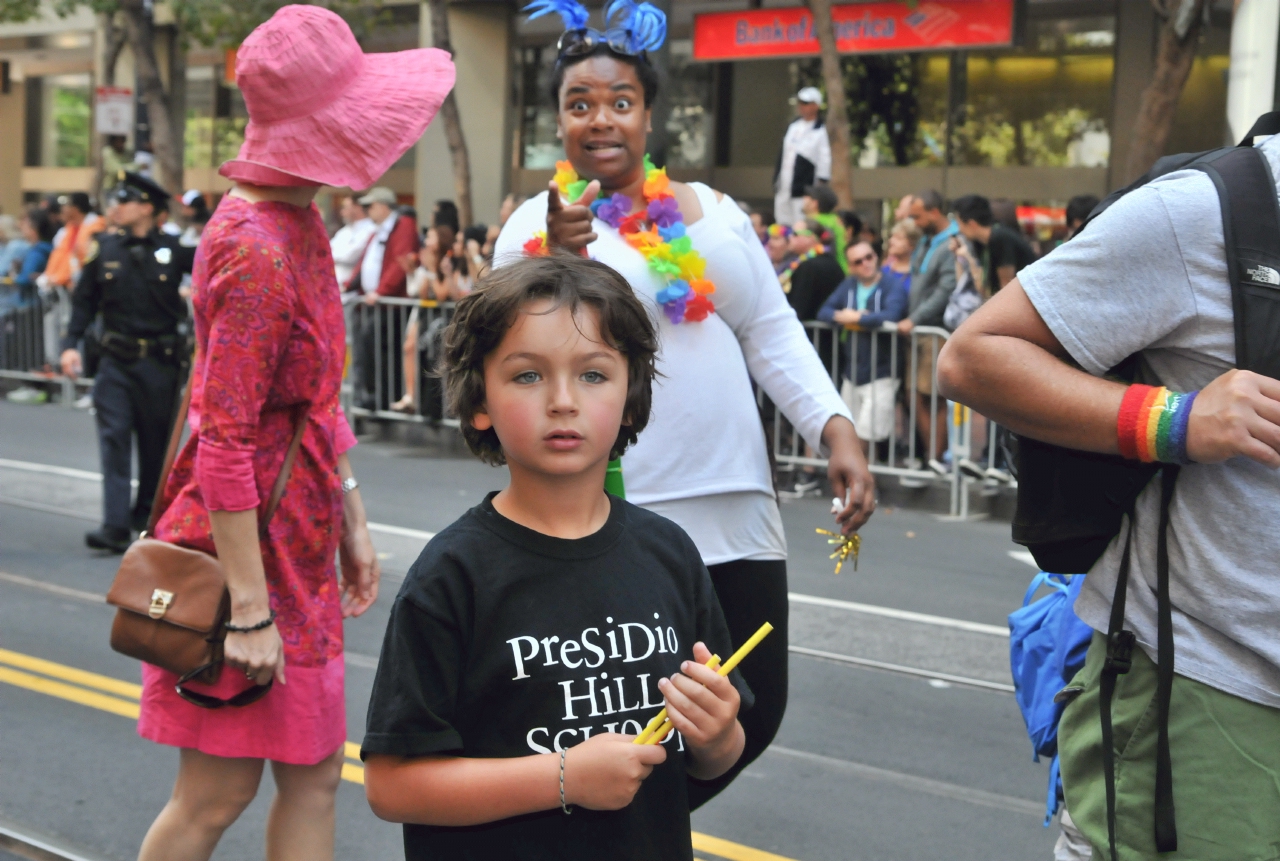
(379, 346)
(135, 399)
(752, 593)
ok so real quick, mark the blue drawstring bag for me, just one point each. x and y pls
(1047, 647)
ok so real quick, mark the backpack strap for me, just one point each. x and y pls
(1119, 660)
(1267, 124)
(1251, 238)
(1120, 645)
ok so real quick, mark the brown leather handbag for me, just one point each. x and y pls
(172, 602)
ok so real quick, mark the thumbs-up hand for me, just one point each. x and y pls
(569, 224)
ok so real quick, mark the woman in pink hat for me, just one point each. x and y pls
(270, 346)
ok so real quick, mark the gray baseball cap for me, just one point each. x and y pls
(379, 194)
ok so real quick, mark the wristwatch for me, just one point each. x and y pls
(349, 484)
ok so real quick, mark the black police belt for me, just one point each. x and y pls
(128, 349)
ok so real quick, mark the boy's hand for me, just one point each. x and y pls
(605, 771)
(703, 706)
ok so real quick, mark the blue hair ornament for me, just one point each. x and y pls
(647, 23)
(571, 12)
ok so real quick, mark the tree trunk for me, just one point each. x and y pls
(1159, 101)
(166, 130)
(452, 120)
(112, 45)
(837, 112)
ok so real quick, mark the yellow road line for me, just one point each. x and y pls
(732, 851)
(71, 674)
(63, 691)
(350, 771)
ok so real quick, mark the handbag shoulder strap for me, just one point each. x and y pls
(159, 504)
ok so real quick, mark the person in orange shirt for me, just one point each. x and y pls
(63, 267)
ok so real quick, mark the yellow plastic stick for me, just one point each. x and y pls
(661, 717)
(656, 736)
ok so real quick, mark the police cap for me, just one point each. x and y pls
(135, 186)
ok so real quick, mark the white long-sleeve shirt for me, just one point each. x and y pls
(702, 460)
(347, 245)
(806, 138)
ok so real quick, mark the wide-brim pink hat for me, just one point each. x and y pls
(321, 111)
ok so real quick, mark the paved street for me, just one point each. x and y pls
(902, 743)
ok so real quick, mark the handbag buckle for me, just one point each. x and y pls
(160, 601)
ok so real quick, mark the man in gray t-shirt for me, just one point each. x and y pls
(1149, 276)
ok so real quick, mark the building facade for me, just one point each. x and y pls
(1041, 115)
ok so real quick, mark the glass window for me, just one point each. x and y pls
(65, 110)
(1046, 105)
(539, 147)
(689, 127)
(198, 142)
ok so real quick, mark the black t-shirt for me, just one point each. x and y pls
(811, 283)
(1006, 247)
(505, 642)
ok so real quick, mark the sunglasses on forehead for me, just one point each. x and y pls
(584, 40)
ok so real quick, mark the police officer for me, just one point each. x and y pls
(131, 277)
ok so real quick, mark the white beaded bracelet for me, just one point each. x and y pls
(566, 808)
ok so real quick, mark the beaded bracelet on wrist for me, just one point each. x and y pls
(1152, 425)
(249, 629)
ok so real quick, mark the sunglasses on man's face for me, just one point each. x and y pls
(858, 261)
(584, 40)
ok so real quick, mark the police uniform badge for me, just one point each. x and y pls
(164, 256)
(92, 252)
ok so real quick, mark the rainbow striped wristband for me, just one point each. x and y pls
(1152, 425)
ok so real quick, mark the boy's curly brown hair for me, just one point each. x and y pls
(483, 318)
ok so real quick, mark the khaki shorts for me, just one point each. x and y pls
(1225, 753)
(872, 406)
(925, 347)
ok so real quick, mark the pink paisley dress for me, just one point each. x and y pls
(270, 337)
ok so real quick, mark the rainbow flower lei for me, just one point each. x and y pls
(664, 243)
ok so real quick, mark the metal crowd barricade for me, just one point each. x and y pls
(393, 341)
(394, 345)
(23, 351)
(898, 451)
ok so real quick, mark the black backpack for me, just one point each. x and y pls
(1071, 504)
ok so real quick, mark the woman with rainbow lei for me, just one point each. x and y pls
(691, 254)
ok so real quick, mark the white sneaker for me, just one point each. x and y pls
(84, 402)
(939, 467)
(27, 395)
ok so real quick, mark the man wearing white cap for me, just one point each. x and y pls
(805, 158)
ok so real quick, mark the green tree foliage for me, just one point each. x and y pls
(881, 92)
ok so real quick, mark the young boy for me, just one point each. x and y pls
(537, 635)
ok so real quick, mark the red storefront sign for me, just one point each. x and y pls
(860, 28)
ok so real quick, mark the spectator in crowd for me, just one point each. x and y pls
(814, 274)
(820, 205)
(64, 261)
(1002, 252)
(13, 247)
(902, 211)
(903, 239)
(195, 212)
(349, 243)
(509, 205)
(113, 161)
(477, 262)
(380, 273)
(933, 278)
(757, 223)
(1078, 209)
(1005, 211)
(778, 247)
(805, 158)
(851, 225)
(445, 212)
(867, 299)
(38, 230)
